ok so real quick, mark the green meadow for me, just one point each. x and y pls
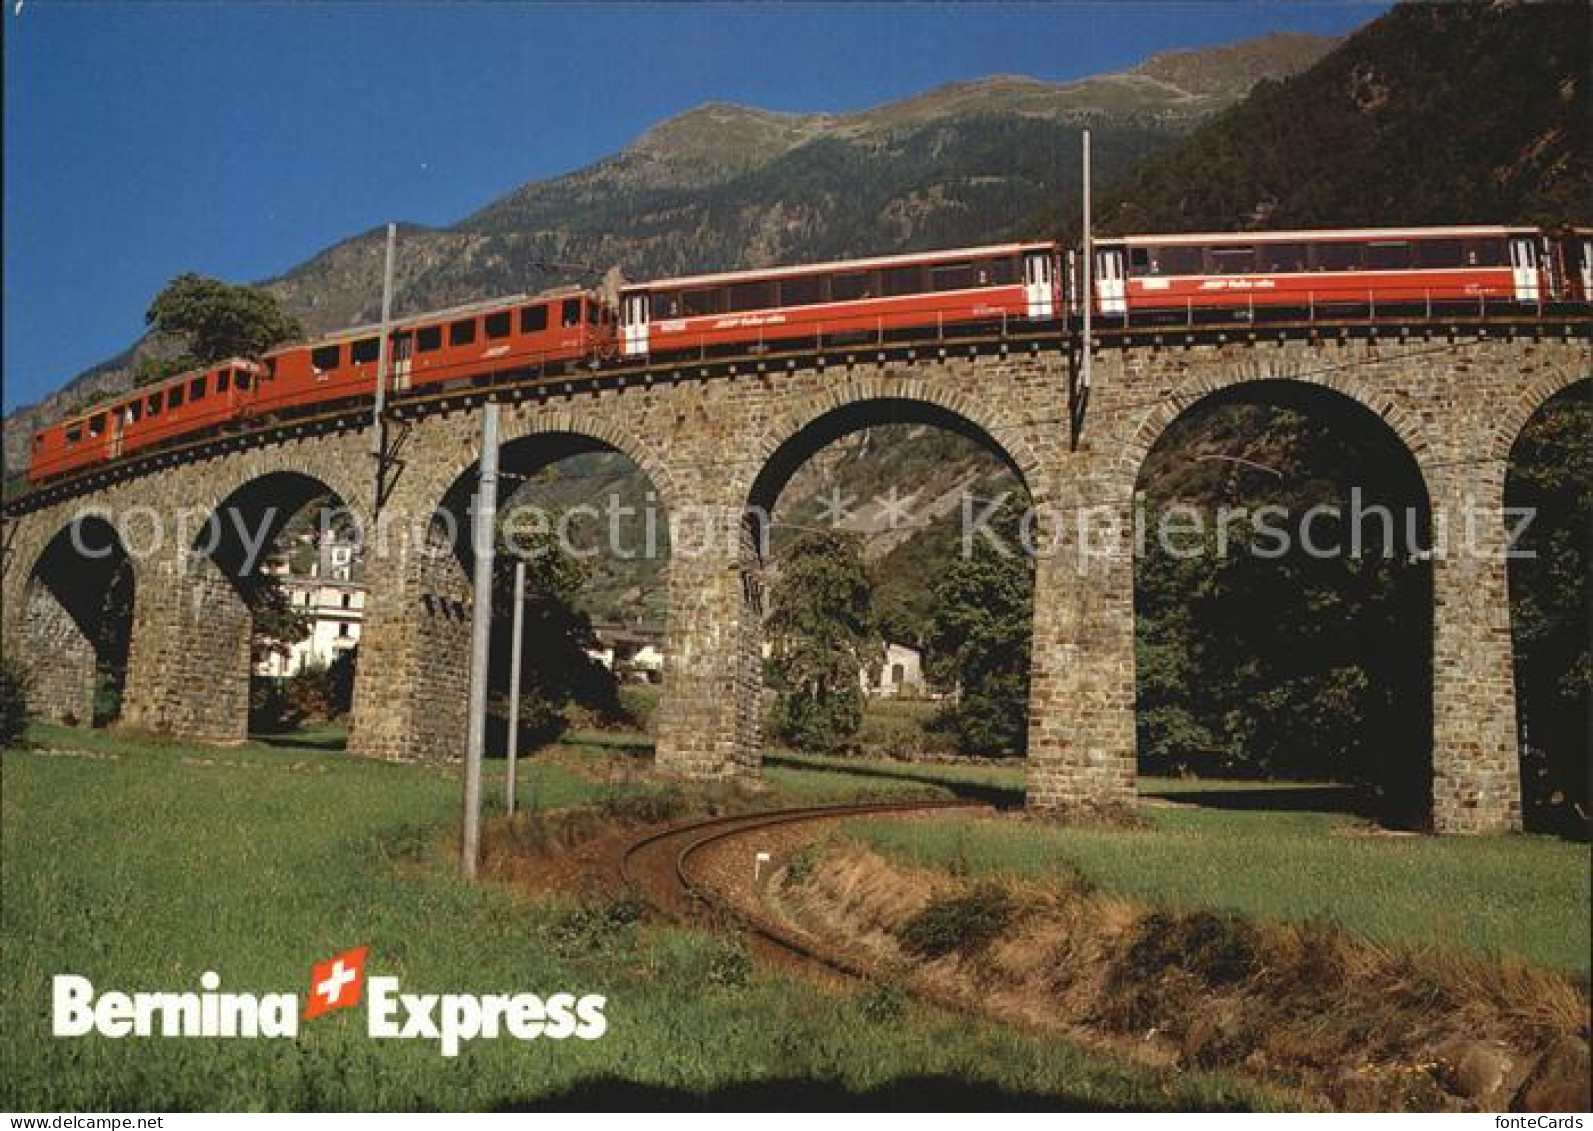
(141, 865)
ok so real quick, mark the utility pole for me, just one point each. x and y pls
(1089, 276)
(383, 352)
(514, 681)
(483, 539)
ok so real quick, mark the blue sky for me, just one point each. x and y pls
(146, 139)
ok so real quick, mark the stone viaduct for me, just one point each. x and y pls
(714, 438)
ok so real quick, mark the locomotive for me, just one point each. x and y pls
(1135, 280)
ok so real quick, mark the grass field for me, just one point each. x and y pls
(142, 864)
(1520, 895)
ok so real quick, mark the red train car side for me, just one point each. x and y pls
(853, 300)
(1331, 272)
(187, 404)
(464, 343)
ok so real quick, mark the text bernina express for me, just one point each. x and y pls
(391, 1014)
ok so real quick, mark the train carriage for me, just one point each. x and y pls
(176, 407)
(841, 302)
(461, 343)
(1327, 273)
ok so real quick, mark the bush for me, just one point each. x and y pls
(1219, 949)
(273, 709)
(964, 923)
(15, 715)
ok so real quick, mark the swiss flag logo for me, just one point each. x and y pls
(336, 983)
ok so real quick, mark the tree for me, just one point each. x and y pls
(198, 321)
(979, 643)
(1551, 472)
(557, 634)
(822, 634)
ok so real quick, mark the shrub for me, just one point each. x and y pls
(1218, 949)
(15, 686)
(964, 923)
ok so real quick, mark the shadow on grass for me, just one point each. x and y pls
(1273, 798)
(997, 796)
(300, 740)
(907, 1093)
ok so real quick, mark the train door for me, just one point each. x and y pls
(1039, 285)
(1579, 250)
(118, 430)
(403, 354)
(1109, 285)
(633, 323)
(1524, 269)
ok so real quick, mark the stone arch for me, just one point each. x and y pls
(921, 400)
(421, 606)
(787, 444)
(192, 662)
(1234, 381)
(1510, 419)
(76, 604)
(1394, 447)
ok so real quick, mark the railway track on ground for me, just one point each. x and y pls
(660, 866)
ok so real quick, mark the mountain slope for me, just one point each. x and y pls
(725, 186)
(1435, 113)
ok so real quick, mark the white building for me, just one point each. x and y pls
(900, 676)
(333, 605)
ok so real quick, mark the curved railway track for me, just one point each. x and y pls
(660, 866)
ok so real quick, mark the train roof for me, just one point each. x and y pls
(1300, 236)
(835, 265)
(127, 396)
(367, 329)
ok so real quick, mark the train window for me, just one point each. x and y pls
(1485, 253)
(1233, 260)
(1286, 258)
(594, 312)
(1441, 253)
(462, 333)
(757, 295)
(694, 304)
(97, 424)
(902, 280)
(952, 277)
(1001, 272)
(197, 388)
(174, 396)
(1140, 262)
(240, 380)
(806, 290)
(570, 312)
(1181, 259)
(364, 351)
(153, 404)
(428, 338)
(533, 319)
(74, 433)
(848, 288)
(223, 380)
(133, 412)
(497, 324)
(1338, 256)
(1388, 255)
(326, 358)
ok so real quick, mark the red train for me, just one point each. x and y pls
(1335, 273)
(849, 301)
(464, 343)
(1138, 279)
